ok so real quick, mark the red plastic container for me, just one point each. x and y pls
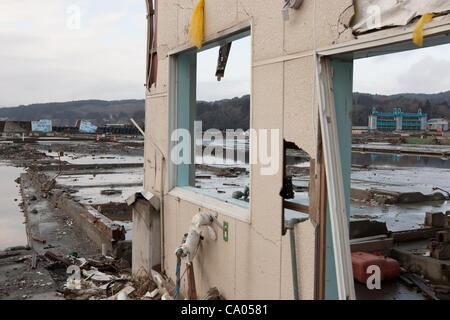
(389, 268)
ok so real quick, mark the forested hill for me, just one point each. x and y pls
(223, 114)
(67, 113)
(434, 105)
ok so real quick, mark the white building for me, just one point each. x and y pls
(439, 125)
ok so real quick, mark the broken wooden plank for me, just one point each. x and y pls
(417, 234)
(441, 287)
(203, 177)
(422, 286)
(406, 280)
(371, 238)
(296, 207)
(8, 255)
(372, 246)
(53, 257)
(192, 291)
(39, 240)
(386, 192)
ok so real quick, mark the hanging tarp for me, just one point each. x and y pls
(44, 126)
(196, 25)
(378, 14)
(87, 127)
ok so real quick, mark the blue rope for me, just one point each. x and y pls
(177, 291)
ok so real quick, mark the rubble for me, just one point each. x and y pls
(47, 202)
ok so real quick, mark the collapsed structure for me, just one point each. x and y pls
(302, 73)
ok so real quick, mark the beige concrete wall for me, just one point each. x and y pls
(255, 263)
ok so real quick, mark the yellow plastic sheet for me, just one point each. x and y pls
(196, 25)
(418, 30)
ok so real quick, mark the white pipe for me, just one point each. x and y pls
(137, 127)
(150, 139)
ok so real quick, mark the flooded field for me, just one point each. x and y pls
(401, 174)
(101, 174)
(394, 172)
(216, 175)
(12, 228)
(94, 179)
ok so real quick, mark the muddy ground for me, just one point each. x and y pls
(102, 175)
(44, 227)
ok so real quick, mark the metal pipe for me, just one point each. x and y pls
(137, 127)
(152, 6)
(291, 227)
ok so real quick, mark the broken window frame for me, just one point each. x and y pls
(152, 43)
(398, 40)
(182, 105)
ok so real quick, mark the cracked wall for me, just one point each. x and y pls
(255, 263)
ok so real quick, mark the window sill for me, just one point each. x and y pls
(223, 207)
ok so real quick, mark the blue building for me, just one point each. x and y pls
(398, 121)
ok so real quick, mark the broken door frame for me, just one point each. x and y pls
(338, 206)
(328, 60)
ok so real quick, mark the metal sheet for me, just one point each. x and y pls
(42, 126)
(378, 14)
(87, 127)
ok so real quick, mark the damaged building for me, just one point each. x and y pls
(302, 55)
(11, 128)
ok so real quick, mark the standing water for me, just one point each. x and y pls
(12, 228)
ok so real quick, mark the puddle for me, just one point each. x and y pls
(402, 174)
(89, 187)
(77, 158)
(12, 228)
(398, 161)
(406, 147)
(390, 290)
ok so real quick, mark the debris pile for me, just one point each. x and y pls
(107, 278)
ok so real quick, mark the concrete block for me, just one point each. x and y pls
(146, 251)
(367, 228)
(447, 220)
(440, 250)
(431, 268)
(359, 194)
(443, 236)
(434, 219)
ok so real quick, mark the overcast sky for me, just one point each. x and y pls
(46, 56)
(424, 70)
(237, 80)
